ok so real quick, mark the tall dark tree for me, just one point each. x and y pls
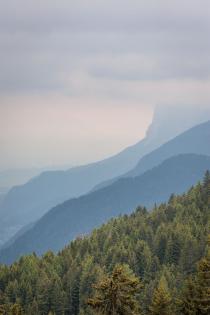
(203, 279)
(16, 309)
(196, 296)
(206, 187)
(117, 294)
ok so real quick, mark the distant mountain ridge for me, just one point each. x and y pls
(80, 215)
(27, 203)
(195, 140)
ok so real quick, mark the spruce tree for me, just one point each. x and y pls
(203, 280)
(187, 304)
(196, 297)
(3, 309)
(16, 309)
(206, 187)
(117, 294)
(75, 298)
(161, 300)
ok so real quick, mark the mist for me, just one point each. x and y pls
(80, 81)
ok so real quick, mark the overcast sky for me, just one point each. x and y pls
(79, 79)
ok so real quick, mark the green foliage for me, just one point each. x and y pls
(196, 295)
(161, 301)
(117, 293)
(166, 243)
(187, 304)
(203, 285)
(16, 309)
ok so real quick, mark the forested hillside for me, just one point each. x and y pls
(161, 248)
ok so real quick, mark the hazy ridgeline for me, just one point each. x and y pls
(145, 185)
(26, 203)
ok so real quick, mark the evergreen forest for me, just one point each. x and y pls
(150, 262)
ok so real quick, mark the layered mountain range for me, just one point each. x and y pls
(181, 162)
(26, 203)
(36, 216)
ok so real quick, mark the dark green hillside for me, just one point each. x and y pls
(79, 216)
(161, 247)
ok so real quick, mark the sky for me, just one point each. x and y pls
(79, 80)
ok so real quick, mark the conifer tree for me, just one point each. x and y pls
(207, 178)
(203, 280)
(75, 298)
(33, 308)
(117, 294)
(161, 300)
(196, 297)
(3, 309)
(187, 304)
(206, 187)
(173, 250)
(16, 309)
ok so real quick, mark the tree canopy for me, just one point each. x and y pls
(166, 251)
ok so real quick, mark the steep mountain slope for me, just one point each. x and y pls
(20, 232)
(27, 203)
(195, 140)
(79, 216)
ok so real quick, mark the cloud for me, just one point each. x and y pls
(97, 54)
(43, 43)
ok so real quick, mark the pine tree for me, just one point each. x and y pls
(161, 301)
(33, 308)
(16, 309)
(203, 279)
(187, 304)
(56, 297)
(43, 295)
(90, 274)
(173, 250)
(75, 298)
(117, 294)
(196, 297)
(207, 178)
(206, 187)
(3, 309)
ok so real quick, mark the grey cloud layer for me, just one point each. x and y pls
(54, 45)
(71, 63)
